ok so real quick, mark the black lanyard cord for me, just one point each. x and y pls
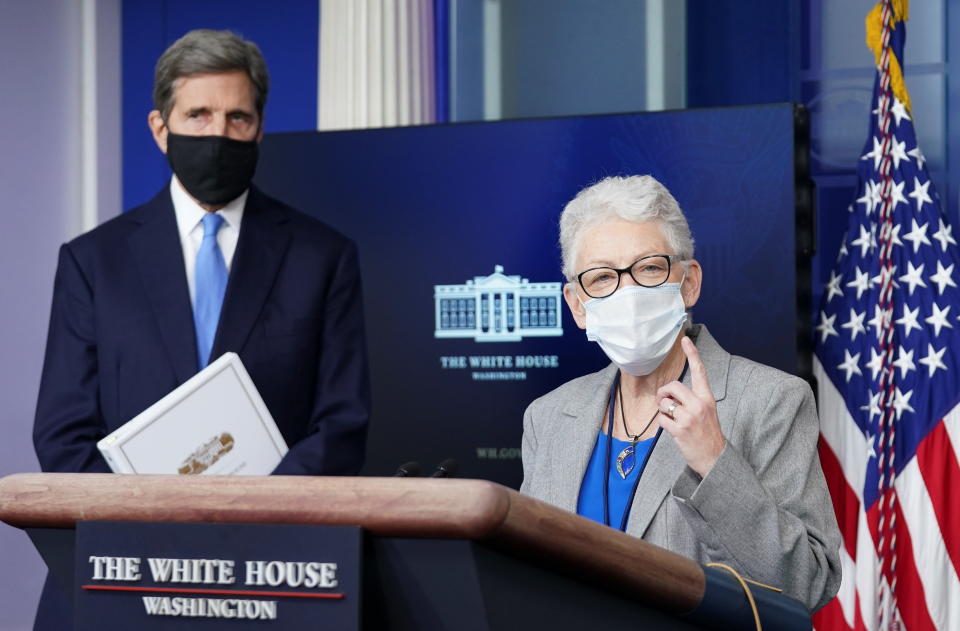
(625, 517)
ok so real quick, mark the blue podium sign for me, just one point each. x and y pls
(153, 576)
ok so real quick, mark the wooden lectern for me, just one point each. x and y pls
(438, 553)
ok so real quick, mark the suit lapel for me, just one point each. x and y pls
(580, 436)
(662, 471)
(666, 462)
(159, 258)
(260, 251)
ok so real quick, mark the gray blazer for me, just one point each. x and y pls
(764, 508)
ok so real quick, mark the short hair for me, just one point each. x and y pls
(203, 51)
(636, 198)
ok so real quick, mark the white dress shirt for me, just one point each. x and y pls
(189, 216)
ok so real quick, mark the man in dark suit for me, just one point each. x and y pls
(209, 265)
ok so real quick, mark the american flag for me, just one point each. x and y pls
(888, 366)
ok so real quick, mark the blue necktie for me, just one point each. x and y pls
(210, 285)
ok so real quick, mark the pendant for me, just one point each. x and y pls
(626, 461)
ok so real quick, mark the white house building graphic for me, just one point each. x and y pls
(497, 308)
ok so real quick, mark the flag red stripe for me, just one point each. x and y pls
(846, 505)
(911, 600)
(830, 618)
(941, 474)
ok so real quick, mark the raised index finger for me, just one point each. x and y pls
(698, 373)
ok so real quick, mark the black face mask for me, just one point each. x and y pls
(213, 169)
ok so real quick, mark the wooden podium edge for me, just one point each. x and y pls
(613, 560)
(388, 507)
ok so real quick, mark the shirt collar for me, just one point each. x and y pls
(189, 212)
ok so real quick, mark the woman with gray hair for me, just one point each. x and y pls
(678, 442)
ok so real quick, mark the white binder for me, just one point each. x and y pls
(215, 423)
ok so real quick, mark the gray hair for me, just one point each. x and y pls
(636, 198)
(202, 51)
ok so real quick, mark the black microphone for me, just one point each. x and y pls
(408, 470)
(446, 469)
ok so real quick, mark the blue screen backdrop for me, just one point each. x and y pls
(446, 204)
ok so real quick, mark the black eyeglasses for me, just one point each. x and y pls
(649, 271)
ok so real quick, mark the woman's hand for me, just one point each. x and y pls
(690, 415)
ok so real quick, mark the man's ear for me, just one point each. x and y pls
(576, 307)
(691, 284)
(158, 129)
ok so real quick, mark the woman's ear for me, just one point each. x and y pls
(576, 307)
(690, 289)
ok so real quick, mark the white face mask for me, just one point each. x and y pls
(637, 326)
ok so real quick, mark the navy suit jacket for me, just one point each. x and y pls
(122, 335)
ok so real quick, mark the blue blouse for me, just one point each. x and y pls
(590, 502)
